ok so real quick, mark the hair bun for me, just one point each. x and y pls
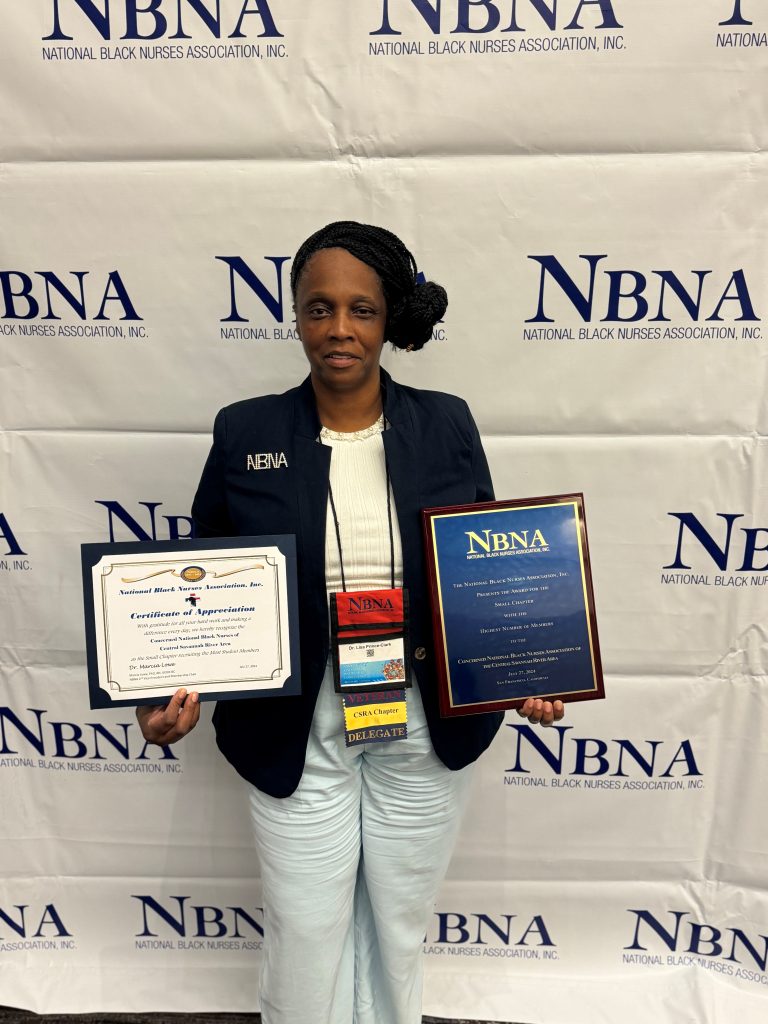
(412, 320)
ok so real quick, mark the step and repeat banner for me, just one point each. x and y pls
(588, 179)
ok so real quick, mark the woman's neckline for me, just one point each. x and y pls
(326, 434)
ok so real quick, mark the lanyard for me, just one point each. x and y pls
(389, 522)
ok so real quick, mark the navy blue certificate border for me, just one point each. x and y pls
(91, 554)
(450, 705)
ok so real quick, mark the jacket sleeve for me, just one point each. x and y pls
(210, 512)
(483, 482)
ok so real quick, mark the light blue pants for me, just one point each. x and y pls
(350, 865)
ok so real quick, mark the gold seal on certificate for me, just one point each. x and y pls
(512, 607)
(216, 616)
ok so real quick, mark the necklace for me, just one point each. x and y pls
(326, 434)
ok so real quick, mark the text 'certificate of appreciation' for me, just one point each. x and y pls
(219, 617)
(512, 604)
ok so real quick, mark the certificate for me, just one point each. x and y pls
(217, 616)
(512, 604)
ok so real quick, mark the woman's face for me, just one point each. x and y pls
(340, 316)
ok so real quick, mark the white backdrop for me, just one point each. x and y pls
(588, 179)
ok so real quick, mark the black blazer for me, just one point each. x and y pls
(435, 457)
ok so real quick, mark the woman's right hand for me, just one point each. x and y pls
(166, 723)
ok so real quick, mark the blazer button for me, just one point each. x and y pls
(420, 653)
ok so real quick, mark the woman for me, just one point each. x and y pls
(353, 840)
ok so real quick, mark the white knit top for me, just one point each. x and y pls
(358, 479)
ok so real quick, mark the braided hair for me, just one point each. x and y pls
(413, 308)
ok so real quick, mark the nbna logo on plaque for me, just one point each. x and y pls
(160, 19)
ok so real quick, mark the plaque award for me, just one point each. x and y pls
(512, 604)
(217, 616)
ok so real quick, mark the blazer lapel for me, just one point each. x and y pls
(313, 462)
(404, 473)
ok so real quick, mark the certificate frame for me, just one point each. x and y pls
(522, 654)
(158, 575)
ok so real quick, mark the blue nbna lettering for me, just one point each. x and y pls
(239, 270)
(72, 741)
(627, 289)
(480, 16)
(589, 756)
(700, 939)
(198, 920)
(719, 554)
(20, 303)
(14, 548)
(153, 17)
(21, 922)
(474, 929)
(179, 527)
(736, 17)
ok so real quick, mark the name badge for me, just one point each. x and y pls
(378, 717)
(369, 640)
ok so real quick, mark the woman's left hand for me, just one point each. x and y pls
(542, 712)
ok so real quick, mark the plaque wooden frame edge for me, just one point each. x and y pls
(479, 708)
